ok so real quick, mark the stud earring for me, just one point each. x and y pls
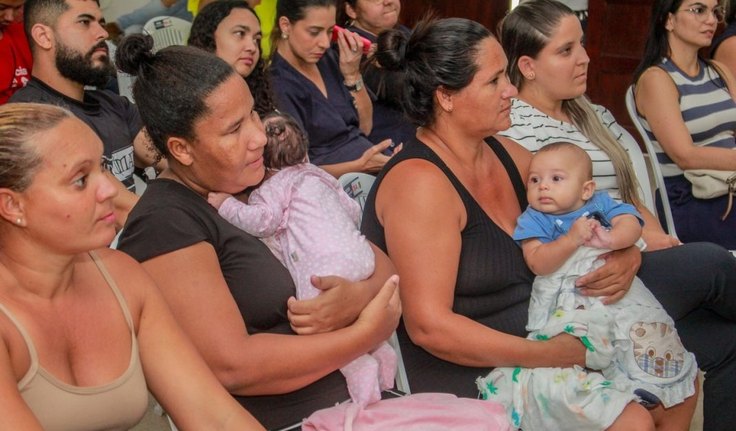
(284, 36)
(531, 75)
(18, 221)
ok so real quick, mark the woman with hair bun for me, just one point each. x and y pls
(444, 209)
(233, 297)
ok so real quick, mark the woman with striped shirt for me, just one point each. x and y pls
(548, 64)
(687, 107)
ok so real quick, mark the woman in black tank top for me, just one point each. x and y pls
(444, 209)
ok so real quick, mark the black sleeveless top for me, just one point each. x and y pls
(493, 283)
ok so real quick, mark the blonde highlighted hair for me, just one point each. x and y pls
(20, 123)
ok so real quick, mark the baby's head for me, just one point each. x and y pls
(560, 179)
(286, 144)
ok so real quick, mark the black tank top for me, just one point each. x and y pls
(493, 282)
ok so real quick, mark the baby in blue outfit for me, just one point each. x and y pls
(633, 350)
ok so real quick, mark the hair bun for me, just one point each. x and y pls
(134, 52)
(391, 52)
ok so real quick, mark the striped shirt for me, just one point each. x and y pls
(708, 110)
(534, 129)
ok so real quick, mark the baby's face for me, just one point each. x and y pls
(556, 183)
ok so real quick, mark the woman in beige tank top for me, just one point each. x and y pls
(83, 330)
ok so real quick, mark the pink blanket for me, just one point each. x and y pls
(420, 412)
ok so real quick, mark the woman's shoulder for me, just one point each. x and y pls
(125, 273)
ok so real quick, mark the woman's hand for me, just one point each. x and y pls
(373, 158)
(351, 53)
(216, 199)
(614, 278)
(567, 350)
(384, 311)
(337, 306)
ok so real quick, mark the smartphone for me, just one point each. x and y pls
(366, 43)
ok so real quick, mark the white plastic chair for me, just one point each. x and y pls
(167, 31)
(653, 163)
(357, 185)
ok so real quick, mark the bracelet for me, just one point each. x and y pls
(357, 86)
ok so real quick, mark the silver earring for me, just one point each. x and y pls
(284, 36)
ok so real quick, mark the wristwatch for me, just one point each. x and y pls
(354, 88)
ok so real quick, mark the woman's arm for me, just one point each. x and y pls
(657, 99)
(726, 54)
(175, 372)
(422, 224)
(261, 364)
(351, 53)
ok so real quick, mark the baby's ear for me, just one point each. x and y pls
(588, 189)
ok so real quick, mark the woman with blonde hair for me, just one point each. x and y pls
(84, 331)
(543, 40)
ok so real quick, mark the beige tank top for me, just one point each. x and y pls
(117, 405)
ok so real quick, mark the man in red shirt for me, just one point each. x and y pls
(15, 67)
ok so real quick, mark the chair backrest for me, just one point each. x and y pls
(167, 31)
(357, 185)
(653, 163)
(642, 173)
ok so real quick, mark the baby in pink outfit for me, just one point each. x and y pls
(302, 213)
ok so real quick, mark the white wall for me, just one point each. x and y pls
(111, 9)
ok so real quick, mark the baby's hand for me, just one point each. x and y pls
(601, 238)
(216, 199)
(581, 230)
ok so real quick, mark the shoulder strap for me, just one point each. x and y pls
(113, 286)
(511, 169)
(33, 368)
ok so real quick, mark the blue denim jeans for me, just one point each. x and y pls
(133, 22)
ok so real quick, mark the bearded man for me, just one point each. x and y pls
(70, 58)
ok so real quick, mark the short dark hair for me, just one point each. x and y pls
(437, 53)
(171, 86)
(45, 12)
(579, 153)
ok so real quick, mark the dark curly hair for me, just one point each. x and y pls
(202, 35)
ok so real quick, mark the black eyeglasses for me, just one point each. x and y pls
(701, 12)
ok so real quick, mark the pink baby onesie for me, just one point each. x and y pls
(313, 228)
